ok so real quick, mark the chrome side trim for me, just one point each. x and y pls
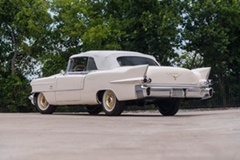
(67, 90)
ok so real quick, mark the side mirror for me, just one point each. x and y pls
(62, 72)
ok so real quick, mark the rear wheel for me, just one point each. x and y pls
(168, 107)
(43, 106)
(93, 110)
(111, 105)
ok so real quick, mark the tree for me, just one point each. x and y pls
(211, 28)
(78, 26)
(24, 27)
(189, 60)
(147, 26)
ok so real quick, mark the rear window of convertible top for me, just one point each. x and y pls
(134, 61)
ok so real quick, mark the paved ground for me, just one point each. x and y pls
(200, 135)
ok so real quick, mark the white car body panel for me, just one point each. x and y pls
(127, 82)
(171, 76)
(68, 89)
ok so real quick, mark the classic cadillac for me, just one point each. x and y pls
(109, 80)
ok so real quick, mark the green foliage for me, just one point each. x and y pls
(14, 93)
(52, 64)
(92, 25)
(211, 29)
(146, 26)
(189, 60)
(24, 28)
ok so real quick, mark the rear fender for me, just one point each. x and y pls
(133, 75)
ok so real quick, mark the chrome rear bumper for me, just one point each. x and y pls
(174, 92)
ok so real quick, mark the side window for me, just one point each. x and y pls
(80, 64)
(91, 65)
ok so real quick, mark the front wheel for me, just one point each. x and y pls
(168, 107)
(93, 110)
(43, 106)
(111, 105)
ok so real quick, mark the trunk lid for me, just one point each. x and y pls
(173, 76)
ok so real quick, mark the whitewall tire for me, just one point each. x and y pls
(42, 104)
(111, 105)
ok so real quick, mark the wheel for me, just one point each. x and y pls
(93, 110)
(111, 105)
(79, 68)
(43, 106)
(168, 107)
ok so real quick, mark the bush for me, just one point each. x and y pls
(14, 94)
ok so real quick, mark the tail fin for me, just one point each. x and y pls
(133, 75)
(203, 73)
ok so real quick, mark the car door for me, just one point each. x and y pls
(70, 85)
(69, 88)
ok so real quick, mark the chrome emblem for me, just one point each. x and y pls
(174, 75)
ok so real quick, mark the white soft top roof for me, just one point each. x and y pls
(107, 59)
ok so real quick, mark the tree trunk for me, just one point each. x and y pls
(13, 67)
(193, 61)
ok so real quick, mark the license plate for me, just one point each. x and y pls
(177, 93)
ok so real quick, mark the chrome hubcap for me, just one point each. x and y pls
(43, 104)
(110, 101)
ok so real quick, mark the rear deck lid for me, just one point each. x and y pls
(171, 76)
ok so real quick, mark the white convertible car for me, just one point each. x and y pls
(109, 80)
